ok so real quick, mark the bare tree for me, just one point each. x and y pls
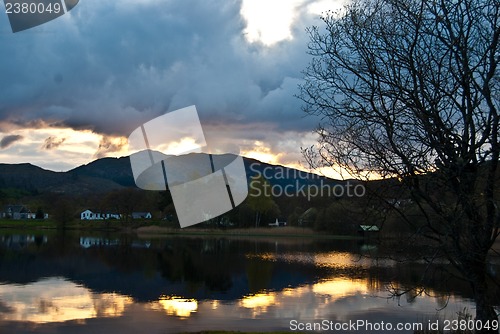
(410, 89)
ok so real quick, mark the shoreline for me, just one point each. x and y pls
(151, 230)
(282, 232)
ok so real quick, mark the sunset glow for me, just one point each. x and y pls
(59, 148)
(262, 153)
(254, 77)
(183, 146)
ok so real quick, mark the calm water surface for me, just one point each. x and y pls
(122, 284)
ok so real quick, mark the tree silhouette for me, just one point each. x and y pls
(63, 212)
(410, 89)
(39, 213)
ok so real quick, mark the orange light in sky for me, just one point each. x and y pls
(262, 153)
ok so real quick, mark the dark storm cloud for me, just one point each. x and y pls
(9, 140)
(111, 65)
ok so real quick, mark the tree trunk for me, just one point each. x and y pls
(485, 312)
(257, 219)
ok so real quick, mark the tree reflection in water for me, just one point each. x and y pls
(207, 281)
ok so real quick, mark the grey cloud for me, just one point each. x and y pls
(117, 64)
(9, 140)
(107, 146)
(120, 64)
(52, 143)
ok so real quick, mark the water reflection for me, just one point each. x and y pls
(177, 284)
(21, 241)
(177, 306)
(259, 303)
(338, 288)
(333, 259)
(323, 294)
(57, 300)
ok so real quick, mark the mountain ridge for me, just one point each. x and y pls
(112, 173)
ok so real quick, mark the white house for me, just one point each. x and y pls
(18, 212)
(110, 215)
(90, 215)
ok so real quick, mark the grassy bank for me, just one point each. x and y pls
(32, 224)
(149, 228)
(298, 232)
(18, 226)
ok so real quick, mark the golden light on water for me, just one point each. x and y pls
(341, 287)
(340, 260)
(334, 288)
(259, 303)
(58, 300)
(215, 304)
(321, 294)
(261, 300)
(179, 307)
(111, 304)
(45, 310)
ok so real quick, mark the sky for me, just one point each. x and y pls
(73, 90)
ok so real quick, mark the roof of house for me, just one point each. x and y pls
(100, 212)
(369, 228)
(16, 209)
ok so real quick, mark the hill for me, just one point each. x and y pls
(107, 174)
(33, 179)
(116, 170)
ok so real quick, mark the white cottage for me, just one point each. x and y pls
(89, 215)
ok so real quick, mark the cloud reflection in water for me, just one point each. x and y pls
(57, 300)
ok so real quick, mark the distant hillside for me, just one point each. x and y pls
(34, 179)
(282, 176)
(29, 177)
(108, 174)
(114, 169)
